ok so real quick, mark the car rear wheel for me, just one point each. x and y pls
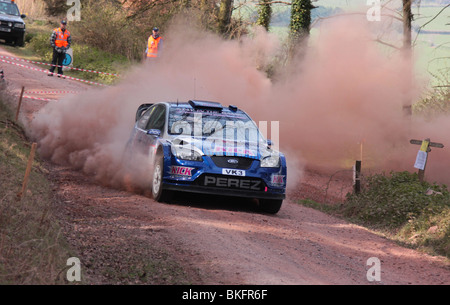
(158, 191)
(271, 206)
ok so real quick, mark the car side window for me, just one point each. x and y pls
(142, 123)
(157, 119)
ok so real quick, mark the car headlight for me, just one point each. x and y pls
(187, 152)
(270, 161)
(19, 25)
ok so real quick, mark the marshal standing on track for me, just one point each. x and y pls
(154, 44)
(60, 41)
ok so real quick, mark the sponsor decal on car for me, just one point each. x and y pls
(238, 183)
(181, 170)
(277, 179)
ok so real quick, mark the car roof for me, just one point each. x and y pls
(204, 105)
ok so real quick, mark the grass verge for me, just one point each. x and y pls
(413, 213)
(32, 250)
(37, 48)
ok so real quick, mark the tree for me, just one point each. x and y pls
(300, 19)
(407, 18)
(299, 25)
(264, 13)
(224, 16)
(56, 7)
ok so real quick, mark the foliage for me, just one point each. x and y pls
(85, 57)
(56, 7)
(395, 200)
(300, 18)
(224, 16)
(32, 250)
(105, 25)
(437, 102)
(414, 213)
(90, 58)
(264, 13)
(40, 44)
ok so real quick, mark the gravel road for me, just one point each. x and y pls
(215, 240)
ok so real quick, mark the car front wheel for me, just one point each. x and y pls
(20, 41)
(271, 206)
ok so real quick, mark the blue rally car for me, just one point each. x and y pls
(204, 147)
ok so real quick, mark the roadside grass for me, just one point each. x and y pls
(37, 48)
(148, 265)
(32, 250)
(414, 214)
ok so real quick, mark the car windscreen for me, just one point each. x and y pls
(228, 125)
(9, 9)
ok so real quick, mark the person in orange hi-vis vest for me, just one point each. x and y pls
(60, 41)
(154, 44)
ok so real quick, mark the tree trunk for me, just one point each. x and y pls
(300, 18)
(299, 26)
(407, 18)
(224, 18)
(264, 13)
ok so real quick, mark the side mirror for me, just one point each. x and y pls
(23, 16)
(154, 132)
(269, 143)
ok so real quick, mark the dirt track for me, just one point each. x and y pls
(217, 241)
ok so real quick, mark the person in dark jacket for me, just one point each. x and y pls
(60, 41)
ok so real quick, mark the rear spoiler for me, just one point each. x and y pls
(141, 110)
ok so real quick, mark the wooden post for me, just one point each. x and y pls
(20, 103)
(28, 171)
(422, 156)
(357, 177)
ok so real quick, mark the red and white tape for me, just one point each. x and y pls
(46, 71)
(39, 98)
(51, 92)
(47, 64)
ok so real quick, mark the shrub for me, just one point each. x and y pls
(40, 44)
(106, 26)
(390, 202)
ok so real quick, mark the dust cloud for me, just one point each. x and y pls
(340, 102)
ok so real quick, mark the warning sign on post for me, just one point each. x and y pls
(421, 160)
(68, 59)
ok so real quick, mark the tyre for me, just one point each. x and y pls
(271, 206)
(158, 192)
(19, 42)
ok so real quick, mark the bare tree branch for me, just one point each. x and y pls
(387, 44)
(276, 2)
(426, 23)
(349, 14)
